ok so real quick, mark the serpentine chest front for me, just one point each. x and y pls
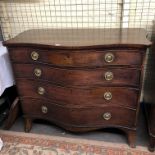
(80, 79)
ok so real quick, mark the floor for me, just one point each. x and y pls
(108, 135)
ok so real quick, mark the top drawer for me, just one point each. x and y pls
(81, 58)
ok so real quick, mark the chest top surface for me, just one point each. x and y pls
(80, 38)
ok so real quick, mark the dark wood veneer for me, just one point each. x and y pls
(73, 67)
(77, 58)
(81, 38)
(80, 117)
(125, 97)
(80, 77)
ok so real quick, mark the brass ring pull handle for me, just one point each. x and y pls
(108, 76)
(109, 57)
(41, 90)
(34, 55)
(108, 95)
(37, 72)
(107, 116)
(44, 109)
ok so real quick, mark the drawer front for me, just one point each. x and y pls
(89, 58)
(99, 96)
(84, 117)
(77, 77)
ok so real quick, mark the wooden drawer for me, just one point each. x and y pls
(81, 58)
(99, 96)
(77, 77)
(79, 117)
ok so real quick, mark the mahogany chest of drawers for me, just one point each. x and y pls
(80, 79)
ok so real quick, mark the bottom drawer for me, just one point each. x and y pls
(79, 117)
